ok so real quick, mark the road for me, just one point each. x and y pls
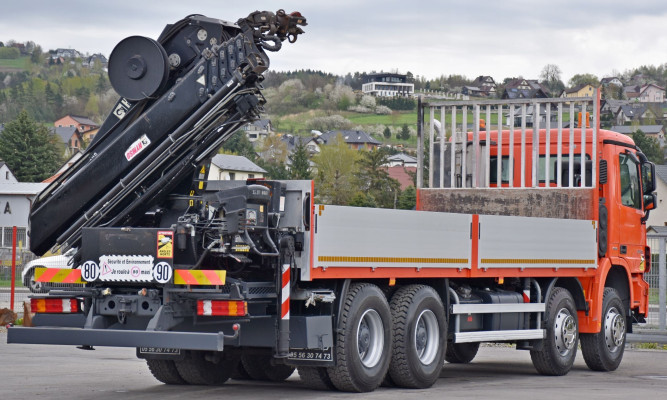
(60, 372)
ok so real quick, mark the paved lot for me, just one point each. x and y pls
(60, 372)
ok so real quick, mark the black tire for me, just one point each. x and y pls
(32, 284)
(461, 353)
(315, 378)
(196, 369)
(603, 351)
(559, 348)
(365, 320)
(165, 371)
(240, 373)
(420, 335)
(259, 367)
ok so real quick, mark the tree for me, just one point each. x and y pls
(273, 150)
(550, 76)
(362, 199)
(387, 132)
(239, 144)
(36, 57)
(300, 168)
(30, 151)
(336, 169)
(584, 79)
(374, 179)
(408, 199)
(405, 132)
(649, 146)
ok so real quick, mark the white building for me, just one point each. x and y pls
(226, 167)
(388, 85)
(15, 201)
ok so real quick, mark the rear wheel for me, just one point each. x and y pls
(603, 351)
(259, 367)
(165, 371)
(559, 348)
(363, 343)
(461, 353)
(205, 368)
(316, 378)
(420, 331)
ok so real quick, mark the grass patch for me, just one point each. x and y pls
(651, 346)
(22, 63)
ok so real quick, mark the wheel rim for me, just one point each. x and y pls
(565, 331)
(427, 337)
(614, 329)
(370, 338)
(34, 285)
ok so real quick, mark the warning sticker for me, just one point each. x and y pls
(132, 268)
(165, 244)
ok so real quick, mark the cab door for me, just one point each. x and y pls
(630, 236)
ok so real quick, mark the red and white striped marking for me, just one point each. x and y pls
(526, 296)
(284, 312)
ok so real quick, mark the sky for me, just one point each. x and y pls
(429, 38)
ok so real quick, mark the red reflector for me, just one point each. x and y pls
(226, 308)
(54, 306)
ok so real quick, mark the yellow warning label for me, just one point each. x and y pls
(165, 244)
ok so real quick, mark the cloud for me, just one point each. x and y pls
(428, 38)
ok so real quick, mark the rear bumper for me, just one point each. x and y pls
(117, 338)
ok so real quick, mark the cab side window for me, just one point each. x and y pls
(630, 190)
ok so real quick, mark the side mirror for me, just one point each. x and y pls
(650, 201)
(648, 177)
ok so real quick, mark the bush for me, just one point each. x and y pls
(383, 110)
(9, 53)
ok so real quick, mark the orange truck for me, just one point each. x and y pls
(529, 235)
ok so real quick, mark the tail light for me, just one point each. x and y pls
(55, 306)
(224, 308)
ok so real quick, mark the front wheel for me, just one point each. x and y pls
(363, 343)
(603, 351)
(559, 348)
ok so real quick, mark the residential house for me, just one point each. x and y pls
(583, 90)
(67, 53)
(226, 167)
(401, 159)
(258, 129)
(312, 144)
(633, 112)
(472, 91)
(611, 106)
(486, 85)
(520, 88)
(658, 217)
(70, 137)
(611, 81)
(388, 85)
(632, 91)
(651, 93)
(15, 202)
(654, 131)
(84, 125)
(355, 139)
(96, 58)
(404, 175)
(530, 116)
(6, 176)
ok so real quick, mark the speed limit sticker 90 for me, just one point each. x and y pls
(162, 272)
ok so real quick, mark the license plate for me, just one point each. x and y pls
(311, 354)
(159, 350)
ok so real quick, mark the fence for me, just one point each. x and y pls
(657, 280)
